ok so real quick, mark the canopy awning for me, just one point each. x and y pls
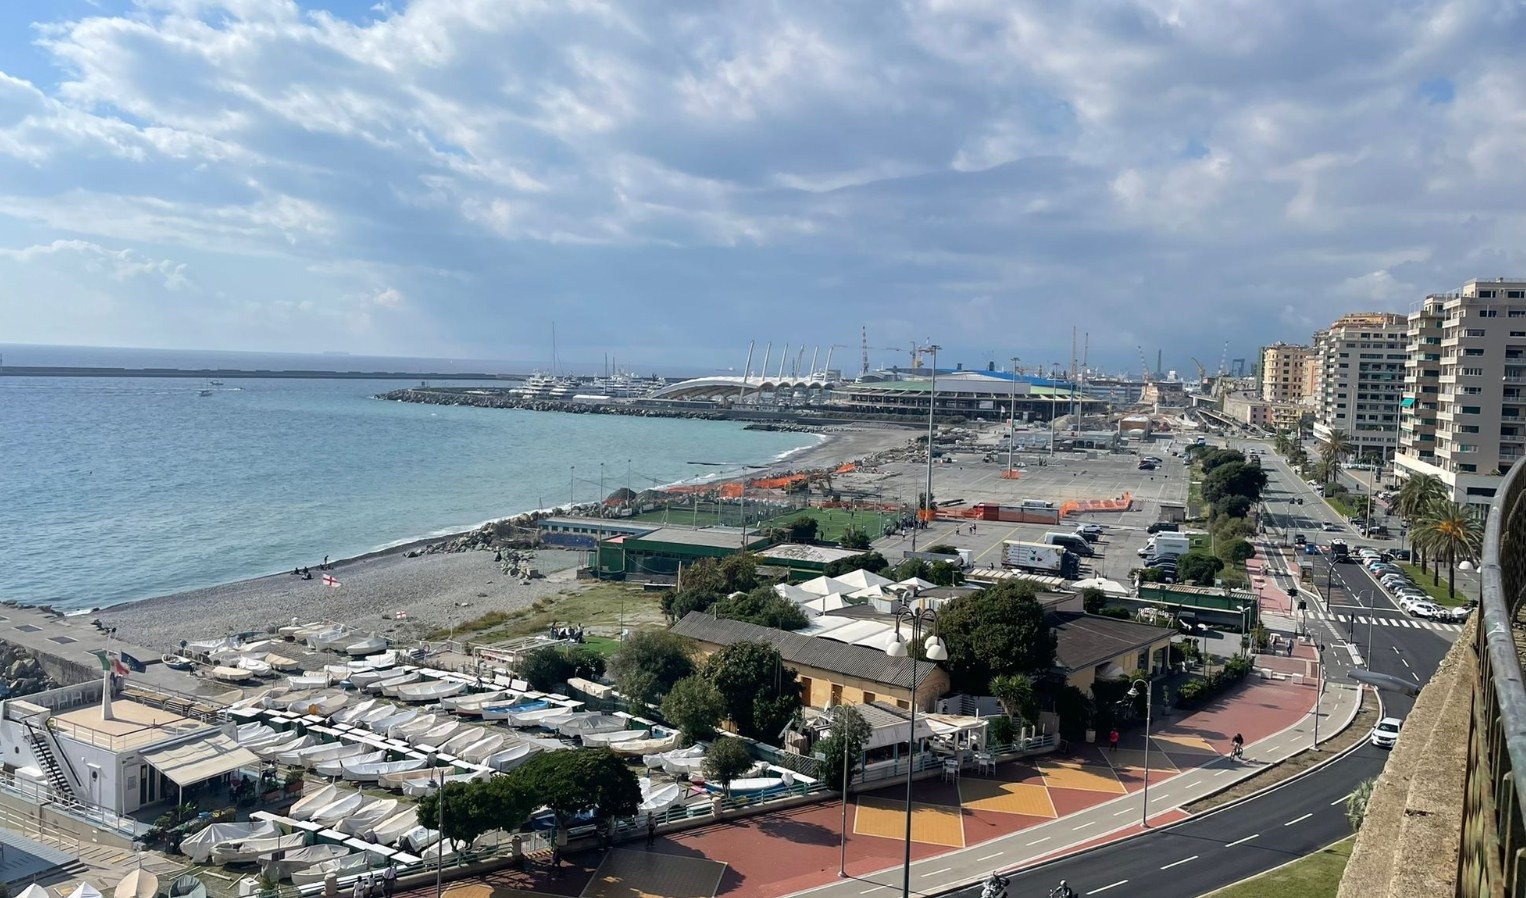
(194, 762)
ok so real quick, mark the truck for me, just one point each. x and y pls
(1168, 544)
(1339, 551)
(1040, 558)
(962, 560)
(1070, 541)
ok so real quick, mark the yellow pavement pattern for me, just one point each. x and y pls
(1079, 775)
(1185, 744)
(932, 824)
(1006, 798)
(649, 874)
(1134, 759)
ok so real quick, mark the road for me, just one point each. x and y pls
(1305, 814)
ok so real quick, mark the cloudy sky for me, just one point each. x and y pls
(671, 180)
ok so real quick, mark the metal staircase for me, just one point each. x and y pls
(49, 762)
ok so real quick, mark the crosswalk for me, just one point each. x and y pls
(1401, 622)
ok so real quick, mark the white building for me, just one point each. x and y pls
(1361, 381)
(1464, 410)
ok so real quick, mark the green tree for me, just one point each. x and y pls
(677, 603)
(1237, 551)
(1357, 801)
(476, 808)
(911, 567)
(580, 779)
(873, 562)
(1234, 479)
(726, 759)
(696, 707)
(1416, 496)
(648, 663)
(941, 549)
(1074, 710)
(847, 737)
(763, 607)
(1454, 533)
(1231, 507)
(739, 572)
(546, 669)
(1093, 600)
(1017, 696)
(1199, 567)
(945, 573)
(1333, 453)
(1217, 458)
(803, 529)
(854, 538)
(704, 576)
(998, 630)
(761, 694)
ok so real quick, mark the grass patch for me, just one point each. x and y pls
(598, 608)
(833, 522)
(1341, 506)
(1316, 875)
(603, 645)
(1437, 592)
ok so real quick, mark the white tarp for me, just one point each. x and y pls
(193, 762)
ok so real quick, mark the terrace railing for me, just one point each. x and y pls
(1492, 855)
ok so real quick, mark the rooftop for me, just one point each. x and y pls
(1086, 640)
(823, 654)
(134, 726)
(708, 537)
(811, 554)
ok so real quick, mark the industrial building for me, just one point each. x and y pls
(663, 551)
(967, 394)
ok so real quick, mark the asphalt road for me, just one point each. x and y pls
(1301, 816)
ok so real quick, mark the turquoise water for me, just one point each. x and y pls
(119, 489)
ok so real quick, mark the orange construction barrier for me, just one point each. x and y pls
(846, 469)
(1122, 503)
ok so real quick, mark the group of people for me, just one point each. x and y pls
(367, 886)
(306, 574)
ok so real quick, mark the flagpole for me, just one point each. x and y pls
(106, 679)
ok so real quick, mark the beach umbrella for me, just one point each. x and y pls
(85, 890)
(138, 884)
(34, 891)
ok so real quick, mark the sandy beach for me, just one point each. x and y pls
(433, 591)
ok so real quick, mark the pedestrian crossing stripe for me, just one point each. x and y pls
(1402, 622)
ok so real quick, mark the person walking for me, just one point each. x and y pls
(1112, 740)
(651, 830)
(359, 889)
(389, 880)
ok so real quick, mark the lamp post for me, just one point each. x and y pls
(1012, 420)
(1144, 810)
(916, 619)
(572, 471)
(842, 854)
(1319, 687)
(438, 787)
(927, 497)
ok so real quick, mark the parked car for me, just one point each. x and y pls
(1163, 527)
(1332, 528)
(1299, 539)
(1424, 609)
(1386, 733)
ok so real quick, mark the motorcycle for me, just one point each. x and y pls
(995, 887)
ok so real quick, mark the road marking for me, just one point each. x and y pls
(1242, 841)
(1083, 826)
(1180, 862)
(873, 889)
(1404, 661)
(1415, 675)
(1299, 819)
(1124, 811)
(987, 857)
(1224, 771)
(936, 872)
(1031, 844)
(1341, 799)
(1105, 888)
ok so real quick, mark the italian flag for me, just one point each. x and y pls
(109, 662)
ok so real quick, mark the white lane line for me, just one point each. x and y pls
(1037, 841)
(936, 872)
(1242, 841)
(1124, 811)
(1180, 862)
(987, 857)
(1342, 799)
(1404, 661)
(1105, 888)
(1299, 819)
(1224, 771)
(873, 889)
(1415, 675)
(1083, 826)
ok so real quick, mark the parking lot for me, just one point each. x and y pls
(1060, 478)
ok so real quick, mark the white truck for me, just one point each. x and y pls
(1166, 544)
(1040, 558)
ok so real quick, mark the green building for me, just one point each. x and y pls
(661, 552)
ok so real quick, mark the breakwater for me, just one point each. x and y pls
(242, 373)
(801, 420)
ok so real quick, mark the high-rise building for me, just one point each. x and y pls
(1464, 406)
(1282, 372)
(1361, 379)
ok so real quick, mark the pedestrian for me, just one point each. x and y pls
(359, 890)
(325, 562)
(651, 830)
(1112, 739)
(389, 880)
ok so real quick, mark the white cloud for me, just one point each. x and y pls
(92, 258)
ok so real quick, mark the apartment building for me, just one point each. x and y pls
(1361, 361)
(1464, 406)
(1283, 372)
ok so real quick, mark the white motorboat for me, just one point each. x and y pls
(391, 829)
(648, 746)
(389, 687)
(482, 748)
(313, 680)
(370, 645)
(198, 846)
(420, 788)
(176, 662)
(300, 632)
(370, 773)
(659, 796)
(508, 758)
(678, 761)
(232, 674)
(395, 780)
(609, 740)
(257, 666)
(550, 718)
(428, 692)
(330, 638)
(282, 664)
(353, 712)
(187, 886)
(360, 679)
(342, 866)
(362, 822)
(247, 851)
(383, 660)
(255, 733)
(463, 737)
(274, 750)
(338, 673)
(436, 736)
(328, 751)
(307, 805)
(208, 646)
(419, 838)
(140, 883)
(387, 725)
(335, 766)
(381, 712)
(459, 701)
(345, 805)
(585, 723)
(421, 723)
(300, 859)
(322, 705)
(277, 698)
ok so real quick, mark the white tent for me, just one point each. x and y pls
(85, 890)
(34, 891)
(1111, 587)
(861, 579)
(916, 583)
(826, 586)
(794, 593)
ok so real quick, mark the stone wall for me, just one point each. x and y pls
(1408, 843)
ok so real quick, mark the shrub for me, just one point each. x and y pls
(1238, 551)
(1001, 731)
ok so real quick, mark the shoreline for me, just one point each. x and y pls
(433, 590)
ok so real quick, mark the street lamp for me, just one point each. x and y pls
(438, 787)
(842, 854)
(1144, 810)
(927, 500)
(1012, 420)
(1319, 687)
(916, 619)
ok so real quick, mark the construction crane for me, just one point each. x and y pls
(1202, 373)
(1144, 365)
(1224, 360)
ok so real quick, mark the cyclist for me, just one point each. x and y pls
(1239, 749)
(1063, 891)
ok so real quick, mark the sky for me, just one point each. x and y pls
(672, 181)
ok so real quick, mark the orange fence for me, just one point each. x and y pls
(1122, 503)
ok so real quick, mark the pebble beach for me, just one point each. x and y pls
(405, 598)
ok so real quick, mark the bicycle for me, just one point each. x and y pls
(1238, 753)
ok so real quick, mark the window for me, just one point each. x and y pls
(1468, 469)
(868, 697)
(1469, 410)
(1472, 372)
(1475, 332)
(1486, 294)
(1515, 294)
(1488, 313)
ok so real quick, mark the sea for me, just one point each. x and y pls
(116, 489)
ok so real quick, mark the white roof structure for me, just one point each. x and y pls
(916, 583)
(851, 631)
(862, 579)
(1111, 587)
(826, 586)
(794, 593)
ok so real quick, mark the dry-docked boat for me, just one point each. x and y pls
(251, 734)
(282, 664)
(586, 723)
(245, 851)
(393, 828)
(610, 740)
(344, 865)
(428, 692)
(422, 723)
(328, 751)
(647, 746)
(300, 859)
(335, 766)
(351, 713)
(550, 718)
(392, 722)
(363, 821)
(312, 680)
(360, 679)
(276, 749)
(508, 758)
(360, 772)
(198, 846)
(300, 632)
(308, 804)
(395, 780)
(382, 661)
(459, 702)
(187, 886)
(437, 735)
(420, 788)
(232, 674)
(677, 761)
(381, 712)
(659, 795)
(257, 666)
(389, 687)
(343, 806)
(330, 638)
(482, 748)
(321, 705)
(463, 736)
(177, 662)
(370, 645)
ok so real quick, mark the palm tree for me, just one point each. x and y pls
(1015, 692)
(1282, 443)
(1455, 533)
(1334, 451)
(1416, 496)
